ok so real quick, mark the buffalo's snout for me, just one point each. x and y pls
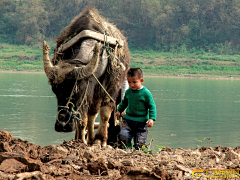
(64, 122)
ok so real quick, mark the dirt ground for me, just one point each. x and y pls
(74, 160)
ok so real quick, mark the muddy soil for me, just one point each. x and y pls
(74, 160)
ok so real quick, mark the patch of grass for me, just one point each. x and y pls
(175, 63)
(20, 58)
(186, 64)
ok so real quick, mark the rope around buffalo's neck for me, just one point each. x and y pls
(103, 88)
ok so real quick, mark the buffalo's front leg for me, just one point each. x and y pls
(81, 129)
(90, 126)
(101, 134)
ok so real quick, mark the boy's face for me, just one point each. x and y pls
(134, 82)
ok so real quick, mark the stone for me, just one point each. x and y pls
(6, 176)
(178, 151)
(12, 166)
(231, 155)
(6, 136)
(112, 164)
(4, 147)
(185, 169)
(30, 175)
(177, 158)
(90, 156)
(57, 152)
(127, 162)
(98, 167)
(195, 153)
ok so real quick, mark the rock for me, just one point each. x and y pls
(121, 151)
(218, 148)
(185, 169)
(178, 151)
(64, 171)
(237, 149)
(161, 174)
(231, 155)
(163, 153)
(17, 148)
(114, 174)
(70, 159)
(12, 166)
(57, 152)
(5, 136)
(34, 151)
(195, 153)
(76, 167)
(177, 158)
(33, 165)
(226, 149)
(112, 164)
(98, 167)
(32, 175)
(49, 169)
(4, 147)
(127, 162)
(167, 149)
(137, 170)
(6, 176)
(90, 156)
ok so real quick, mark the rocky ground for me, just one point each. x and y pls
(74, 160)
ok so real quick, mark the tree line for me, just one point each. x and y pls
(184, 25)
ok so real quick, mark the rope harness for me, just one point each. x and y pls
(70, 110)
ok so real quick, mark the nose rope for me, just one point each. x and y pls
(71, 112)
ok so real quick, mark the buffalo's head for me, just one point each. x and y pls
(69, 80)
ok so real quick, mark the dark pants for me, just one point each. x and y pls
(133, 129)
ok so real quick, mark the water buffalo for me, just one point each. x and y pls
(86, 73)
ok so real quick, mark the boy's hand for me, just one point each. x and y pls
(150, 123)
(118, 114)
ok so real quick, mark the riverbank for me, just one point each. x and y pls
(74, 160)
(199, 65)
(152, 76)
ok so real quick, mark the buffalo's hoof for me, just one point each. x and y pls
(98, 142)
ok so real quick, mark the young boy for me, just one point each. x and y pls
(140, 113)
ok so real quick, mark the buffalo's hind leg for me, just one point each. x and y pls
(102, 132)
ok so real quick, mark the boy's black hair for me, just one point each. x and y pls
(135, 72)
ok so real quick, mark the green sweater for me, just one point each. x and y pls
(140, 105)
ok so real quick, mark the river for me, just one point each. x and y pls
(188, 110)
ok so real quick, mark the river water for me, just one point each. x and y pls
(187, 110)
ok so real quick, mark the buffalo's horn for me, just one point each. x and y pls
(91, 67)
(46, 60)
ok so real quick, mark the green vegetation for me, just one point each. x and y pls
(192, 64)
(173, 25)
(168, 38)
(20, 58)
(200, 141)
(29, 58)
